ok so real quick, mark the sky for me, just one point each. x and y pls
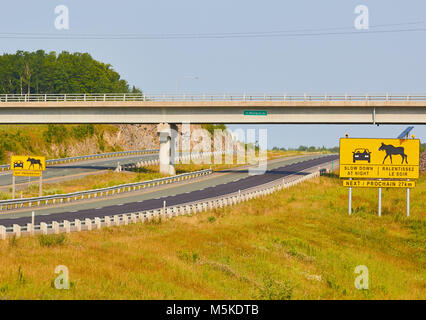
(356, 62)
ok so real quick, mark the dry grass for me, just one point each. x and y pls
(295, 244)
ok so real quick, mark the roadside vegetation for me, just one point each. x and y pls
(52, 140)
(298, 243)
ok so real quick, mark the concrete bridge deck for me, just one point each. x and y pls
(260, 109)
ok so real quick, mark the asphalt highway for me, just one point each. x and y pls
(242, 183)
(77, 168)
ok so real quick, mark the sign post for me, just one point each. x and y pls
(13, 187)
(32, 223)
(408, 201)
(40, 185)
(380, 201)
(350, 200)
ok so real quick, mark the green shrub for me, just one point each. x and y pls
(188, 256)
(13, 241)
(51, 240)
(56, 133)
(83, 131)
(273, 290)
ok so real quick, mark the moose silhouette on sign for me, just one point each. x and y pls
(391, 150)
(34, 162)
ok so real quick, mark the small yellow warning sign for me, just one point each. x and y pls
(27, 166)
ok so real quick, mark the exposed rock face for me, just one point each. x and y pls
(134, 137)
(423, 161)
(127, 137)
(138, 136)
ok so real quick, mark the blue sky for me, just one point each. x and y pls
(352, 63)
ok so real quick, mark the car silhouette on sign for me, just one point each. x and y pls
(18, 164)
(361, 154)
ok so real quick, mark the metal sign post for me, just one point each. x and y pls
(350, 200)
(380, 202)
(13, 187)
(32, 223)
(408, 200)
(40, 186)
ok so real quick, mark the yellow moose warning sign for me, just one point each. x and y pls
(28, 166)
(379, 158)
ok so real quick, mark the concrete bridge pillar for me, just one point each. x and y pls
(167, 133)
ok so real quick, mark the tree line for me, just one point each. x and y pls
(48, 73)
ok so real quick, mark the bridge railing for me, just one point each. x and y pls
(108, 97)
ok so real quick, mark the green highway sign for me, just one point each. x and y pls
(255, 112)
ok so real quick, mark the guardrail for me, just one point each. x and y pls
(14, 204)
(6, 167)
(161, 213)
(103, 97)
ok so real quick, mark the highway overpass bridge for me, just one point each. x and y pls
(251, 109)
(168, 110)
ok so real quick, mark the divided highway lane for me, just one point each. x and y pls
(217, 178)
(171, 200)
(76, 169)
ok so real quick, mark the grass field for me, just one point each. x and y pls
(299, 243)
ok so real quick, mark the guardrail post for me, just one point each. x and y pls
(133, 218)
(43, 227)
(55, 227)
(2, 232)
(67, 226)
(77, 224)
(29, 228)
(97, 223)
(17, 230)
(125, 219)
(117, 220)
(107, 220)
(88, 224)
